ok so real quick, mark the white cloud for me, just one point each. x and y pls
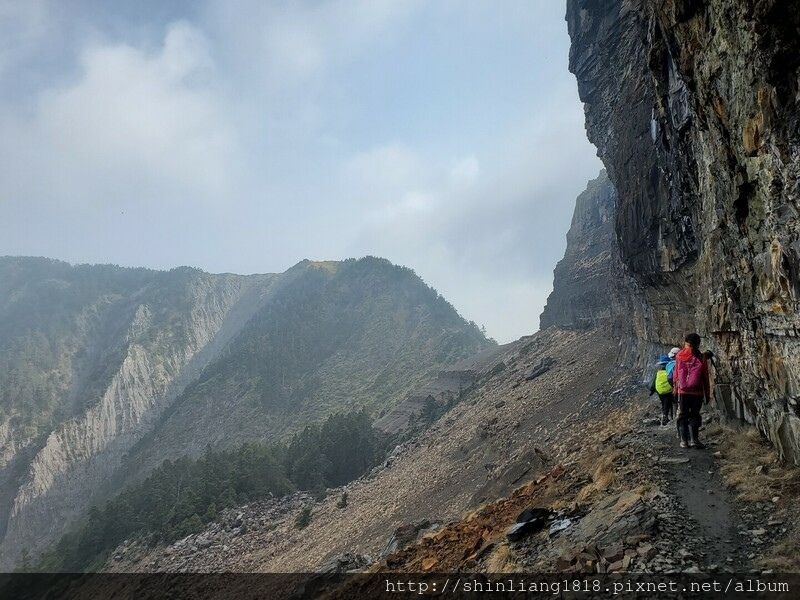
(489, 238)
(285, 45)
(386, 168)
(134, 126)
(418, 202)
(412, 205)
(336, 129)
(465, 172)
(508, 308)
(291, 50)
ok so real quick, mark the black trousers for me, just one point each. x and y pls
(689, 418)
(666, 404)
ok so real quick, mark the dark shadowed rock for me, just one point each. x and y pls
(542, 367)
(529, 514)
(344, 563)
(520, 530)
(695, 111)
(406, 535)
(581, 295)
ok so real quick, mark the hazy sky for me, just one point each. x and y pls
(246, 135)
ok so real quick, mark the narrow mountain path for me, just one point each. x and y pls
(709, 523)
(630, 497)
(710, 506)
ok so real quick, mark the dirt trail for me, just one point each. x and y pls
(713, 522)
(711, 505)
(637, 501)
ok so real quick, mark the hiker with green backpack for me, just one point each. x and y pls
(692, 387)
(662, 386)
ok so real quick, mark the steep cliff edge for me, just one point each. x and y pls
(582, 286)
(694, 110)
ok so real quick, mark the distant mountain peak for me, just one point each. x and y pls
(109, 370)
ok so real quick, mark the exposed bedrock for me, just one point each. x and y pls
(582, 279)
(74, 466)
(693, 107)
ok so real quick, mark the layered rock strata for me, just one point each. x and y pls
(71, 469)
(693, 107)
(110, 371)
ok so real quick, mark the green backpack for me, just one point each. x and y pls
(662, 382)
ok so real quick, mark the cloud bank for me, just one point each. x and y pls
(245, 136)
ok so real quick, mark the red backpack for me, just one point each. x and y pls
(691, 374)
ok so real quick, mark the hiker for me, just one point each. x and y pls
(670, 369)
(663, 388)
(692, 387)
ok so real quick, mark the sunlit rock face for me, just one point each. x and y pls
(123, 360)
(693, 107)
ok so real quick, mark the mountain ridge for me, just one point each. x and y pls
(694, 110)
(168, 329)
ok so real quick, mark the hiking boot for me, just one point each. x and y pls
(692, 444)
(699, 445)
(664, 420)
(683, 444)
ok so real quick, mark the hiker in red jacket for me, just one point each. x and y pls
(691, 387)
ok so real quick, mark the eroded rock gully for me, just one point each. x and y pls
(75, 464)
(693, 107)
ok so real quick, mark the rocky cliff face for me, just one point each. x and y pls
(162, 349)
(694, 110)
(582, 287)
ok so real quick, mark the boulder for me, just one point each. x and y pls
(542, 367)
(520, 530)
(344, 563)
(407, 534)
